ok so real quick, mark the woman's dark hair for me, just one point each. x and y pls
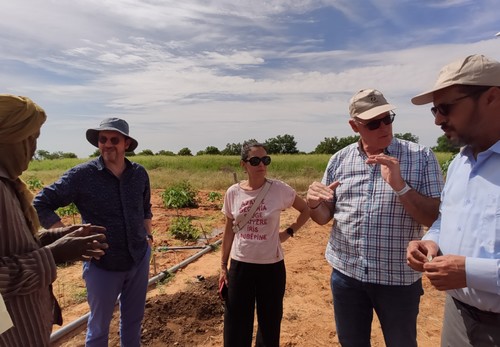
(247, 145)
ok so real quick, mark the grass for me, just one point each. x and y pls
(206, 172)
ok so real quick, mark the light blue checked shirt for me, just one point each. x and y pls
(469, 225)
(371, 229)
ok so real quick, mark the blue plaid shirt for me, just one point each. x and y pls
(121, 205)
(371, 229)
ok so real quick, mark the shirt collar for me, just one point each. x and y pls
(99, 162)
(467, 150)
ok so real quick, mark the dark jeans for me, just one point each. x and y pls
(396, 308)
(250, 284)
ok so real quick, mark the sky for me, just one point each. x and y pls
(199, 73)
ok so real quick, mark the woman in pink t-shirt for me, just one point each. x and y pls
(257, 273)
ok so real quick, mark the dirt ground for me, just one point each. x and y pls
(186, 311)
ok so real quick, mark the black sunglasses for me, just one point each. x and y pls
(254, 161)
(375, 124)
(114, 140)
(445, 108)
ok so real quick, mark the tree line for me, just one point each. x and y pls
(281, 144)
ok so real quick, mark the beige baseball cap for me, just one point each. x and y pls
(368, 104)
(474, 70)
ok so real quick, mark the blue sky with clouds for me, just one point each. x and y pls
(206, 73)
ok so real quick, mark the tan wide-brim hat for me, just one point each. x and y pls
(473, 70)
(111, 124)
(368, 104)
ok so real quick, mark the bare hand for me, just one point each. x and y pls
(49, 236)
(223, 277)
(318, 192)
(78, 245)
(420, 252)
(88, 229)
(446, 272)
(389, 169)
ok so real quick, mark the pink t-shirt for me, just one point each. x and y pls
(258, 241)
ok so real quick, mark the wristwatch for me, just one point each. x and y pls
(289, 231)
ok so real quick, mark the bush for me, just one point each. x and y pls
(68, 211)
(179, 195)
(182, 229)
(34, 183)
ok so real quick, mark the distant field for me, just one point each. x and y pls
(208, 172)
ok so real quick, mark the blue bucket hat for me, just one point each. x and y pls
(111, 124)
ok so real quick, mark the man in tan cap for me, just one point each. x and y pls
(28, 257)
(461, 251)
(113, 192)
(379, 191)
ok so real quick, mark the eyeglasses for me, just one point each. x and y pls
(255, 161)
(375, 124)
(114, 140)
(445, 108)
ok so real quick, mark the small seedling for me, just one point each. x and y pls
(182, 229)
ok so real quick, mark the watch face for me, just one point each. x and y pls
(289, 231)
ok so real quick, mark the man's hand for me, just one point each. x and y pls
(88, 229)
(446, 272)
(420, 252)
(389, 169)
(49, 236)
(80, 244)
(318, 192)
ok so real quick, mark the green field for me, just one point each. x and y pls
(206, 172)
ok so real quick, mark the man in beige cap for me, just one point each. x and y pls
(379, 192)
(28, 257)
(461, 251)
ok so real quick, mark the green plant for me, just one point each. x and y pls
(214, 196)
(71, 210)
(179, 195)
(160, 284)
(80, 296)
(34, 183)
(181, 228)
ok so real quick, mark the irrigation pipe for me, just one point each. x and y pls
(174, 248)
(83, 319)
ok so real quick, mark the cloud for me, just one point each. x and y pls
(202, 73)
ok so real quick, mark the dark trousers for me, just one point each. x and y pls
(251, 284)
(396, 308)
(465, 328)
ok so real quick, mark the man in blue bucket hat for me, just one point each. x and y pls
(115, 193)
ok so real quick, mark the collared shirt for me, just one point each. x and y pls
(26, 272)
(119, 204)
(469, 224)
(371, 228)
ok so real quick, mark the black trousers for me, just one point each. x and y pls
(249, 285)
